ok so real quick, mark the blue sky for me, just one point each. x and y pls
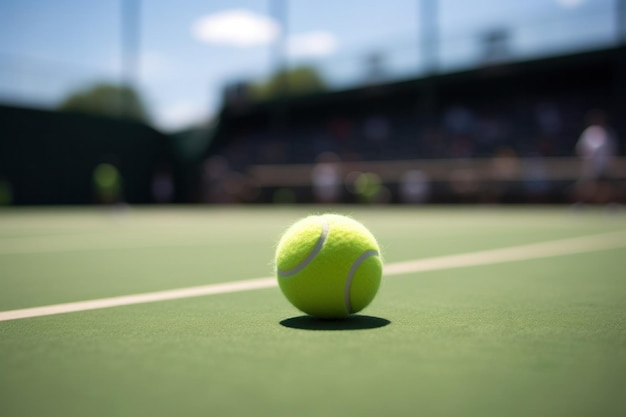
(190, 48)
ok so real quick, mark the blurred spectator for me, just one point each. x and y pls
(326, 178)
(414, 187)
(597, 148)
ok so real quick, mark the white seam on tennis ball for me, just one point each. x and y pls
(353, 269)
(312, 255)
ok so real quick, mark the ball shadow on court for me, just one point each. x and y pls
(355, 322)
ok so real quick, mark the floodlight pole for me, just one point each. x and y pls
(279, 122)
(429, 42)
(280, 11)
(620, 14)
(429, 47)
(620, 68)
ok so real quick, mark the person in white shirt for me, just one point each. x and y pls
(597, 149)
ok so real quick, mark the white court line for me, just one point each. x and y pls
(488, 257)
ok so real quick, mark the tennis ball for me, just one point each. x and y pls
(328, 266)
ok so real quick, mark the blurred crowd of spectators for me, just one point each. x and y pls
(504, 132)
(545, 128)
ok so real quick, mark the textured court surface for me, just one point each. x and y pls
(537, 336)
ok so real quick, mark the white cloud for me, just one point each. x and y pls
(237, 27)
(181, 115)
(569, 4)
(312, 44)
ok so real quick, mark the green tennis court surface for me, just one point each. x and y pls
(543, 336)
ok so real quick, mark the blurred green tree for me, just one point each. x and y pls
(292, 81)
(107, 100)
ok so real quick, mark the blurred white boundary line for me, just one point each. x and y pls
(517, 253)
(227, 287)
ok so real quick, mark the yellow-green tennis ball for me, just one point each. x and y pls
(328, 266)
